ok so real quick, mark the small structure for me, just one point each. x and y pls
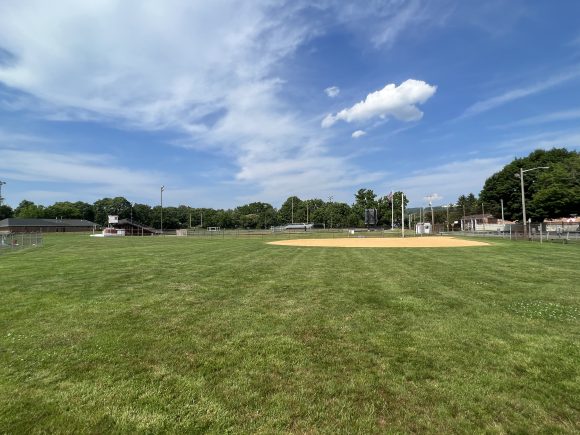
(423, 228)
(476, 222)
(133, 228)
(298, 227)
(563, 225)
(34, 225)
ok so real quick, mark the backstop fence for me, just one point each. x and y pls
(13, 241)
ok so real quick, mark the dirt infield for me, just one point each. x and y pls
(409, 242)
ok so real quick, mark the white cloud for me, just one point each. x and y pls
(332, 91)
(545, 118)
(450, 179)
(549, 139)
(358, 134)
(385, 22)
(518, 93)
(396, 101)
(172, 66)
(78, 168)
(433, 198)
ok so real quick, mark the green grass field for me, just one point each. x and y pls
(234, 335)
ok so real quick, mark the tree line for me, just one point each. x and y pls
(256, 215)
(553, 192)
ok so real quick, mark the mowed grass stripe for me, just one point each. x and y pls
(170, 334)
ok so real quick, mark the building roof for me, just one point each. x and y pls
(35, 222)
(479, 216)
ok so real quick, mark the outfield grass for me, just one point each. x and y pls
(234, 335)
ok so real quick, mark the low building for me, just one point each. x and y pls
(35, 225)
(562, 225)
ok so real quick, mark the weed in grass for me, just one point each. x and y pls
(545, 310)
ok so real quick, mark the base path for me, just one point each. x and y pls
(370, 242)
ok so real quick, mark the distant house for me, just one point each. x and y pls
(33, 225)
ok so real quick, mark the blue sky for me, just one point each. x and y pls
(229, 102)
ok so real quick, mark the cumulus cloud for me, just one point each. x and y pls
(332, 91)
(397, 101)
(358, 134)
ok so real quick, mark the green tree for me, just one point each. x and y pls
(364, 199)
(105, 207)
(548, 192)
(70, 210)
(559, 194)
(28, 209)
(6, 212)
(256, 215)
(293, 210)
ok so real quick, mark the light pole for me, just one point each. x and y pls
(1, 184)
(330, 201)
(447, 209)
(162, 189)
(402, 214)
(521, 175)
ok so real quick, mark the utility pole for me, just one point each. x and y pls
(482, 215)
(402, 214)
(330, 201)
(502, 219)
(162, 189)
(292, 209)
(521, 175)
(1, 198)
(392, 209)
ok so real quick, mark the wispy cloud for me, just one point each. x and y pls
(565, 115)
(332, 91)
(519, 93)
(172, 66)
(561, 138)
(358, 133)
(450, 180)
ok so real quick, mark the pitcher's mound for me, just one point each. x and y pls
(409, 242)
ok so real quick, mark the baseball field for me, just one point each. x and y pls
(236, 335)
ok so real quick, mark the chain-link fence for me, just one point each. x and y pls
(13, 241)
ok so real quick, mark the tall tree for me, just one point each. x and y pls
(549, 192)
(364, 199)
(6, 212)
(28, 209)
(293, 210)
